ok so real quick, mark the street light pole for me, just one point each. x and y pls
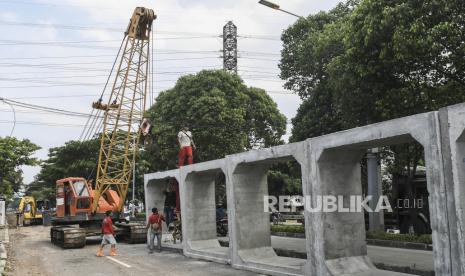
(276, 7)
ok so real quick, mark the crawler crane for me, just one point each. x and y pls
(81, 207)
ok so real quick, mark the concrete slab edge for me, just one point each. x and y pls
(207, 257)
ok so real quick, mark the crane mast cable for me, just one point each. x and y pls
(89, 132)
(124, 111)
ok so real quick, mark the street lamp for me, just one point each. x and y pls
(276, 7)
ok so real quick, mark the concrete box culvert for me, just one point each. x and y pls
(199, 211)
(250, 237)
(338, 244)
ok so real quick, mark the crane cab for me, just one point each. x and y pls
(73, 197)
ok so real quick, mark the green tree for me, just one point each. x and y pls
(401, 58)
(224, 115)
(14, 153)
(367, 61)
(308, 47)
(75, 158)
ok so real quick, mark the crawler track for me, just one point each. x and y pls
(68, 237)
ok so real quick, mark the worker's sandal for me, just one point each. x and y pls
(113, 252)
(100, 252)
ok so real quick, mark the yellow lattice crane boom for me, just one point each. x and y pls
(124, 111)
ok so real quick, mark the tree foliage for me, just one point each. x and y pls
(74, 159)
(224, 115)
(14, 153)
(367, 61)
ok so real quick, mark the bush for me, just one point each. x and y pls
(426, 239)
(288, 228)
(140, 215)
(400, 237)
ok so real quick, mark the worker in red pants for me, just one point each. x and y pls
(186, 144)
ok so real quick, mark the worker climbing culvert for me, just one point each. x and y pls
(186, 147)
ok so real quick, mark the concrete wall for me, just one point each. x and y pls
(453, 147)
(336, 158)
(330, 165)
(250, 237)
(197, 192)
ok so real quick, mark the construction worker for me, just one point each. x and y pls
(170, 203)
(155, 225)
(186, 144)
(108, 235)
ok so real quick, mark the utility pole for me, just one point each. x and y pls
(230, 47)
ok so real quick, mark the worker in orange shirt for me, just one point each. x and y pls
(108, 235)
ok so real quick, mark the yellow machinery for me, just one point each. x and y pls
(28, 210)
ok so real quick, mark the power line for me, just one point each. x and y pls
(14, 116)
(44, 108)
(63, 65)
(262, 37)
(189, 35)
(54, 96)
(66, 96)
(256, 58)
(64, 85)
(39, 123)
(35, 112)
(103, 90)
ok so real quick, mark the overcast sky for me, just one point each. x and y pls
(59, 53)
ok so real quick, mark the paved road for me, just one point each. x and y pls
(416, 259)
(33, 254)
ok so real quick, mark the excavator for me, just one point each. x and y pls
(81, 206)
(28, 209)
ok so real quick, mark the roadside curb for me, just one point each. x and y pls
(2, 266)
(376, 242)
(401, 244)
(289, 235)
(3, 253)
(3, 257)
(303, 255)
(6, 238)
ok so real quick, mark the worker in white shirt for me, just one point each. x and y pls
(186, 144)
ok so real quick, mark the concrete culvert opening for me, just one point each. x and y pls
(259, 187)
(390, 175)
(163, 194)
(206, 214)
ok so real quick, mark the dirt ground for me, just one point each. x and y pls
(23, 259)
(31, 253)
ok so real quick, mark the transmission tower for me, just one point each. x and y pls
(230, 47)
